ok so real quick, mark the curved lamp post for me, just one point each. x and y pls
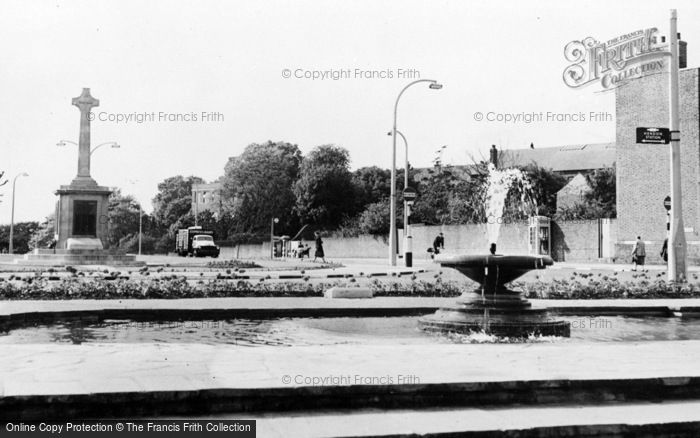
(405, 179)
(12, 216)
(114, 144)
(434, 85)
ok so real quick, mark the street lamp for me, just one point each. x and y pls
(12, 216)
(133, 182)
(405, 180)
(272, 236)
(434, 85)
(114, 144)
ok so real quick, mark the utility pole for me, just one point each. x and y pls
(677, 271)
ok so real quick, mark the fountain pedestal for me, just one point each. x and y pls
(492, 307)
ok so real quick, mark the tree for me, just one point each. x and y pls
(257, 186)
(22, 234)
(44, 235)
(173, 200)
(208, 221)
(130, 244)
(325, 195)
(375, 219)
(123, 214)
(602, 195)
(2, 181)
(372, 184)
(447, 195)
(545, 185)
(184, 221)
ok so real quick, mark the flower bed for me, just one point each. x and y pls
(591, 288)
(178, 287)
(223, 264)
(171, 287)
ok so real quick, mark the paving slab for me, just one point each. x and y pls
(40, 369)
(571, 420)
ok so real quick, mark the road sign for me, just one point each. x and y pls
(653, 135)
(410, 194)
(667, 203)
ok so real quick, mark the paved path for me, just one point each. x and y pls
(44, 369)
(397, 422)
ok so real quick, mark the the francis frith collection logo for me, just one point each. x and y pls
(613, 62)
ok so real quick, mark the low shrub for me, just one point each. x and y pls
(227, 264)
(607, 288)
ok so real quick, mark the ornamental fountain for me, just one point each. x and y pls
(492, 307)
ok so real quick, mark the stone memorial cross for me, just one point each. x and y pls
(85, 103)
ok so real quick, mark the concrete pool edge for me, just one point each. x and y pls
(14, 314)
(308, 398)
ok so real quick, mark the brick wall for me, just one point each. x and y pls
(571, 241)
(575, 240)
(643, 174)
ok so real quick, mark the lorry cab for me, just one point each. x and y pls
(196, 242)
(203, 245)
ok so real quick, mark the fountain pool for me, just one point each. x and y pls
(340, 330)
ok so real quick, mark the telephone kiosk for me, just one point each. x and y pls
(540, 231)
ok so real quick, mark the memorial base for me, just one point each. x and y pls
(77, 257)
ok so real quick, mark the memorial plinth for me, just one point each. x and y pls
(77, 257)
(81, 217)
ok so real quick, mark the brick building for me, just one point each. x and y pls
(206, 197)
(572, 193)
(643, 170)
(568, 160)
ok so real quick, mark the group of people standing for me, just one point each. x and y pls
(303, 250)
(639, 253)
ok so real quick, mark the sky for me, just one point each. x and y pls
(169, 63)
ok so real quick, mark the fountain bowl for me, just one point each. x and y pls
(492, 307)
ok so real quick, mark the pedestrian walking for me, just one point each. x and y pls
(438, 243)
(664, 250)
(638, 254)
(319, 248)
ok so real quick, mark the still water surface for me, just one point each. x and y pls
(330, 331)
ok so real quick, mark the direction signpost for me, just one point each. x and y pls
(677, 250)
(409, 196)
(653, 135)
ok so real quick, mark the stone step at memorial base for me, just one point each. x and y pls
(61, 257)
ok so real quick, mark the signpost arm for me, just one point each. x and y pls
(676, 246)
